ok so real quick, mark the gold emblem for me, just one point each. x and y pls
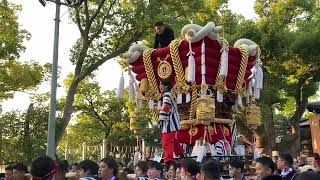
(193, 131)
(164, 69)
(226, 131)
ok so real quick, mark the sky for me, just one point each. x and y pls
(39, 21)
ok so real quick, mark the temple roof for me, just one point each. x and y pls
(314, 107)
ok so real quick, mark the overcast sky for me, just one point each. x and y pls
(38, 20)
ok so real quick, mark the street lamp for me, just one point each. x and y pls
(51, 147)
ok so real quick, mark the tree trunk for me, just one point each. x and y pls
(268, 124)
(68, 109)
(27, 145)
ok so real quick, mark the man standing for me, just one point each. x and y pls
(284, 164)
(211, 171)
(8, 175)
(19, 171)
(154, 170)
(164, 35)
(235, 170)
(169, 120)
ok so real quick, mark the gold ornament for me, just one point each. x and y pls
(153, 92)
(164, 69)
(144, 85)
(242, 71)
(181, 86)
(253, 116)
(193, 131)
(205, 109)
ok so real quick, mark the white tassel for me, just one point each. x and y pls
(257, 93)
(250, 87)
(219, 96)
(203, 63)
(258, 79)
(179, 98)
(224, 62)
(131, 89)
(121, 88)
(247, 98)
(151, 104)
(159, 105)
(191, 65)
(188, 98)
(239, 101)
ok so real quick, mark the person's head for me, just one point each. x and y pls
(316, 161)
(127, 170)
(43, 168)
(172, 171)
(308, 175)
(154, 170)
(108, 167)
(19, 170)
(285, 160)
(8, 175)
(141, 169)
(178, 173)
(189, 168)
(62, 169)
(235, 168)
(166, 85)
(302, 160)
(159, 27)
(310, 160)
(210, 171)
(272, 177)
(88, 168)
(264, 167)
(74, 168)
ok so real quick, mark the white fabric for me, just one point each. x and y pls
(121, 87)
(151, 104)
(191, 65)
(203, 63)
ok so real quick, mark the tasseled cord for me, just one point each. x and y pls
(191, 65)
(131, 86)
(258, 79)
(121, 87)
(223, 70)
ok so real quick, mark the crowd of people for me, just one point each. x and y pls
(264, 168)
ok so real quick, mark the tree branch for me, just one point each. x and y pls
(114, 54)
(78, 22)
(96, 12)
(86, 12)
(96, 113)
(96, 34)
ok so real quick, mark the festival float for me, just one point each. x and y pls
(212, 80)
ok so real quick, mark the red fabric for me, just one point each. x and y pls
(213, 55)
(170, 146)
(221, 132)
(165, 107)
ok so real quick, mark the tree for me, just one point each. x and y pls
(293, 72)
(15, 75)
(24, 134)
(108, 28)
(11, 36)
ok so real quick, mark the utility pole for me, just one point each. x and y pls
(51, 144)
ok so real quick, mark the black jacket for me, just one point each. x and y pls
(164, 39)
(291, 176)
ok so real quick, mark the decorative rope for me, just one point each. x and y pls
(193, 101)
(243, 66)
(181, 86)
(153, 93)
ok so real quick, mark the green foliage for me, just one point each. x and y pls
(11, 36)
(24, 134)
